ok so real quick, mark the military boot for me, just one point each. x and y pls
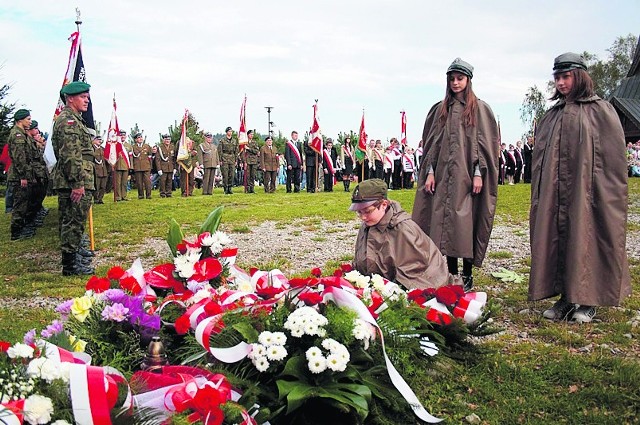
(85, 261)
(230, 191)
(84, 252)
(72, 266)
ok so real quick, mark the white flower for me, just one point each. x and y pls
(313, 353)
(362, 281)
(184, 265)
(352, 276)
(261, 363)
(38, 409)
(257, 350)
(392, 291)
(222, 238)
(317, 365)
(20, 350)
(245, 286)
(279, 338)
(330, 344)
(276, 353)
(46, 369)
(202, 294)
(311, 329)
(378, 282)
(336, 363)
(265, 338)
(297, 332)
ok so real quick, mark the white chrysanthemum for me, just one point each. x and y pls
(377, 282)
(317, 365)
(352, 276)
(20, 350)
(313, 353)
(362, 282)
(311, 329)
(279, 338)
(265, 338)
(319, 320)
(322, 332)
(44, 368)
(336, 363)
(257, 350)
(222, 238)
(261, 363)
(38, 409)
(276, 353)
(297, 332)
(392, 291)
(184, 265)
(330, 344)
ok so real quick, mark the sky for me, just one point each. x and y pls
(381, 56)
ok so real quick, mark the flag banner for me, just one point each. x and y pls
(75, 72)
(242, 132)
(183, 151)
(316, 134)
(114, 147)
(403, 130)
(361, 152)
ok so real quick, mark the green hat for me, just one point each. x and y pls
(568, 61)
(135, 136)
(458, 65)
(34, 124)
(368, 193)
(75, 87)
(21, 114)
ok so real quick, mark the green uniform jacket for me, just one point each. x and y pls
(252, 152)
(20, 152)
(72, 146)
(228, 150)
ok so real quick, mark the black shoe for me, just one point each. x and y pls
(86, 252)
(560, 310)
(85, 261)
(467, 283)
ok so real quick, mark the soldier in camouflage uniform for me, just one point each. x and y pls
(165, 165)
(228, 152)
(251, 155)
(101, 170)
(21, 178)
(141, 153)
(73, 174)
(41, 176)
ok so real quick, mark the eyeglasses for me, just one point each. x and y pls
(368, 210)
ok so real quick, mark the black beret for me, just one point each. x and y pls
(21, 114)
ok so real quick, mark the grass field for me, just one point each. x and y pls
(535, 372)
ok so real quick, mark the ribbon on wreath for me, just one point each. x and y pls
(11, 412)
(61, 355)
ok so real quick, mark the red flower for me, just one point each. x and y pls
(316, 272)
(207, 398)
(162, 277)
(115, 272)
(268, 292)
(438, 317)
(181, 248)
(4, 346)
(337, 272)
(310, 298)
(417, 295)
(98, 284)
(206, 269)
(252, 271)
(346, 267)
(182, 325)
(334, 281)
(458, 289)
(212, 308)
(446, 295)
(129, 283)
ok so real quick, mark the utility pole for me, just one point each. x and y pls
(269, 122)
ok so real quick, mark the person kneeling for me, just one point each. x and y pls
(391, 244)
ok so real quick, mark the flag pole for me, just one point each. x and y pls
(92, 241)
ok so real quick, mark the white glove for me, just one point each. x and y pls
(175, 172)
(159, 172)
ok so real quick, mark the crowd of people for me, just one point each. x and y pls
(578, 186)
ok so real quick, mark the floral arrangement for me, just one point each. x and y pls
(255, 347)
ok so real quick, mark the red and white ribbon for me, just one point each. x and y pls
(61, 355)
(11, 413)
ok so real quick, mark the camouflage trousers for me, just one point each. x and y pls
(227, 168)
(73, 217)
(21, 214)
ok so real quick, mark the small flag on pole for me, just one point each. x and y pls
(242, 132)
(316, 134)
(361, 152)
(114, 147)
(403, 130)
(75, 72)
(183, 151)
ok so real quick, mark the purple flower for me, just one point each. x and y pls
(194, 286)
(116, 312)
(30, 337)
(53, 329)
(115, 295)
(64, 309)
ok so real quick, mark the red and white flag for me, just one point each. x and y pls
(316, 134)
(403, 130)
(243, 139)
(183, 151)
(362, 139)
(114, 147)
(75, 72)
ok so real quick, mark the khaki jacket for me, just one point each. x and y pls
(141, 156)
(268, 159)
(399, 251)
(99, 163)
(579, 205)
(208, 155)
(165, 158)
(458, 222)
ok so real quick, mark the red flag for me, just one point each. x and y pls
(183, 151)
(114, 147)
(75, 72)
(316, 134)
(403, 130)
(362, 139)
(242, 132)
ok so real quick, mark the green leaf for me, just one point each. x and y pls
(175, 236)
(296, 367)
(213, 221)
(248, 332)
(300, 393)
(508, 276)
(191, 359)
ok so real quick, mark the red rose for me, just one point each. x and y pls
(438, 317)
(346, 267)
(181, 248)
(332, 281)
(310, 298)
(446, 296)
(182, 325)
(416, 295)
(129, 283)
(4, 346)
(206, 269)
(458, 289)
(316, 272)
(98, 284)
(212, 308)
(337, 272)
(115, 272)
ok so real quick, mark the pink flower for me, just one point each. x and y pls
(116, 312)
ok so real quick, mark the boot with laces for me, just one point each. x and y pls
(560, 310)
